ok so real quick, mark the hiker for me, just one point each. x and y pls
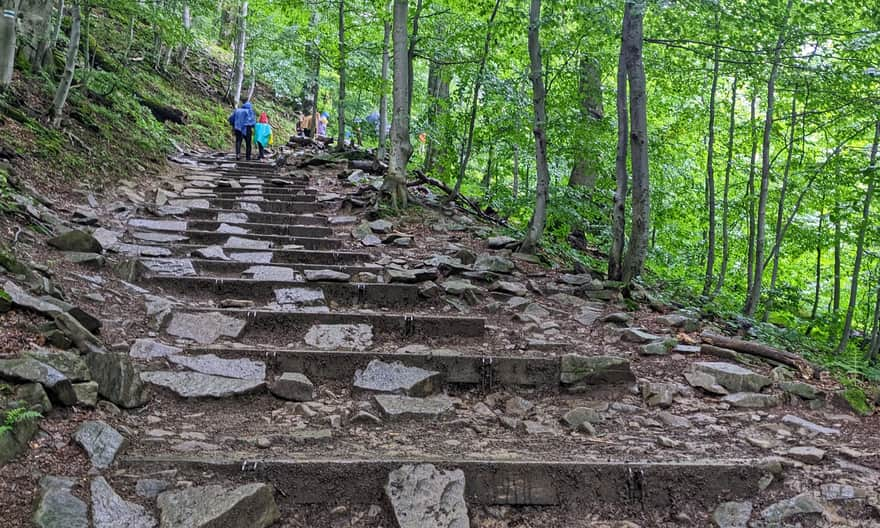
(262, 134)
(306, 125)
(322, 124)
(242, 121)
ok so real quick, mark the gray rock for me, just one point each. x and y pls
(58, 507)
(803, 390)
(532, 427)
(137, 250)
(109, 510)
(674, 421)
(575, 302)
(14, 442)
(27, 369)
(458, 286)
(293, 386)
(300, 296)
(34, 397)
(685, 323)
(381, 226)
(252, 257)
(326, 276)
(270, 273)
(576, 417)
(248, 506)
(658, 394)
(106, 239)
(579, 371)
(704, 381)
(93, 260)
(841, 492)
(241, 368)
(732, 377)
(231, 229)
(158, 225)
(342, 336)
(371, 240)
(68, 363)
(803, 504)
(620, 318)
(421, 496)
(806, 454)
(86, 393)
(575, 279)
(510, 288)
(170, 266)
(232, 218)
(204, 328)
(396, 377)
(100, 441)
(638, 336)
(494, 263)
(732, 514)
(198, 385)
(210, 252)
(403, 276)
(85, 319)
(395, 406)
(518, 406)
(150, 488)
(149, 236)
(76, 240)
(149, 349)
(657, 348)
(235, 242)
(118, 379)
(502, 242)
(751, 400)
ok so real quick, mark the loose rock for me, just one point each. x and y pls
(333, 337)
(422, 496)
(396, 377)
(100, 441)
(293, 386)
(109, 510)
(204, 328)
(249, 506)
(58, 507)
(197, 385)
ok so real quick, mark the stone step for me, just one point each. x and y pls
(264, 190)
(279, 256)
(234, 269)
(258, 241)
(596, 486)
(263, 292)
(213, 225)
(252, 197)
(276, 182)
(255, 217)
(289, 207)
(268, 326)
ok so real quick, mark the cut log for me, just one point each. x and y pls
(371, 166)
(807, 369)
(163, 112)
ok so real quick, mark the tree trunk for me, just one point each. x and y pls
(874, 347)
(340, 107)
(44, 38)
(411, 53)
(401, 148)
(465, 156)
(835, 296)
(750, 196)
(860, 243)
(539, 215)
(383, 98)
(186, 18)
(710, 173)
(227, 25)
(584, 169)
(725, 202)
(487, 176)
(637, 251)
(69, 67)
(515, 171)
(618, 213)
(241, 44)
(755, 293)
(7, 46)
(48, 57)
(818, 289)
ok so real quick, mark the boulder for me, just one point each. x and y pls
(86, 393)
(381, 226)
(58, 507)
(802, 390)
(76, 240)
(732, 377)
(704, 381)
(15, 442)
(118, 379)
(248, 506)
(658, 394)
(340, 336)
(293, 386)
(421, 496)
(752, 400)
(326, 276)
(582, 371)
(68, 363)
(28, 369)
(100, 441)
(732, 514)
(204, 328)
(510, 288)
(241, 368)
(396, 377)
(198, 385)
(494, 263)
(802, 505)
(109, 510)
(34, 397)
(806, 454)
(639, 336)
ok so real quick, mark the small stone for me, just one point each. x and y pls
(803, 390)
(248, 506)
(510, 288)
(100, 441)
(341, 336)
(76, 240)
(580, 415)
(704, 381)
(658, 394)
(806, 454)
(326, 276)
(241, 368)
(620, 318)
(86, 393)
(494, 264)
(396, 377)
(402, 407)
(150, 488)
(293, 386)
(809, 426)
(657, 348)
(803, 504)
(732, 514)
(421, 496)
(364, 417)
(638, 336)
(263, 442)
(751, 400)
(665, 441)
(109, 510)
(381, 226)
(518, 406)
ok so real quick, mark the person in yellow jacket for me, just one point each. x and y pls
(262, 134)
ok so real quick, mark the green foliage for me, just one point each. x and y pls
(858, 400)
(16, 416)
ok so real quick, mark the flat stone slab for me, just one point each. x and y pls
(248, 506)
(109, 510)
(29, 369)
(396, 377)
(638, 336)
(58, 507)
(204, 328)
(198, 385)
(732, 514)
(270, 273)
(235, 242)
(421, 496)
(796, 421)
(732, 377)
(340, 336)
(149, 349)
(326, 276)
(100, 441)
(242, 368)
(210, 252)
(579, 370)
(232, 218)
(231, 229)
(149, 236)
(158, 225)
(397, 407)
(175, 267)
(752, 400)
(70, 364)
(253, 257)
(190, 204)
(300, 296)
(136, 250)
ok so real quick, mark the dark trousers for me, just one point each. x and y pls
(262, 150)
(246, 138)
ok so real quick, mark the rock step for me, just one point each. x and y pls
(486, 371)
(632, 487)
(273, 326)
(234, 269)
(264, 190)
(215, 238)
(288, 229)
(256, 217)
(279, 182)
(263, 291)
(289, 207)
(279, 256)
(296, 195)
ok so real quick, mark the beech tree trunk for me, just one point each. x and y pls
(383, 98)
(515, 171)
(8, 19)
(401, 148)
(438, 94)
(584, 169)
(69, 67)
(637, 250)
(340, 106)
(835, 294)
(240, 45)
(710, 173)
(618, 213)
(761, 238)
(871, 174)
(44, 40)
(539, 215)
(186, 19)
(725, 201)
(874, 347)
(411, 52)
(750, 196)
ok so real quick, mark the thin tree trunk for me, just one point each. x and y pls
(401, 147)
(539, 215)
(253, 86)
(487, 176)
(438, 90)
(383, 98)
(69, 67)
(818, 288)
(7, 46)
(725, 202)
(475, 95)
(710, 173)
(618, 213)
(835, 296)
(130, 40)
(515, 171)
(750, 196)
(874, 347)
(637, 251)
(411, 52)
(340, 107)
(860, 243)
(48, 57)
(584, 167)
(45, 40)
(241, 44)
(186, 18)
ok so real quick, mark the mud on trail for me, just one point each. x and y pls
(309, 366)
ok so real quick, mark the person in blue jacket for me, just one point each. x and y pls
(242, 121)
(263, 134)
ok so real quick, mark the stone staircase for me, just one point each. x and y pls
(268, 318)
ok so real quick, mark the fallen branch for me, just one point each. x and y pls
(475, 208)
(807, 369)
